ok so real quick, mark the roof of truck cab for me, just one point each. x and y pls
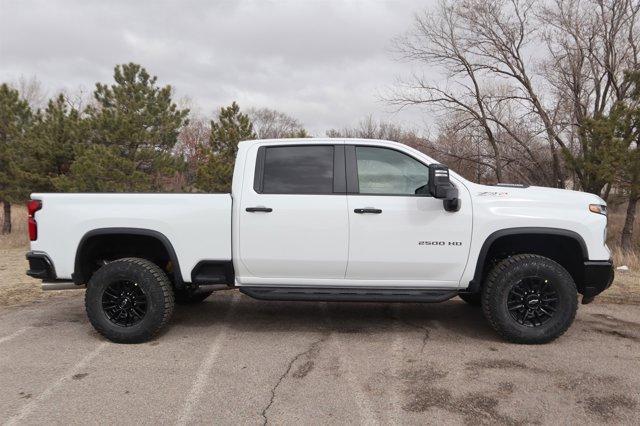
(318, 140)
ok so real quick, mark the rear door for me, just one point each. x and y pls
(293, 219)
(399, 238)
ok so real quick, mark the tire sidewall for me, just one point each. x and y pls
(125, 271)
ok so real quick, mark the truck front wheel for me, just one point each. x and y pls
(529, 299)
(129, 300)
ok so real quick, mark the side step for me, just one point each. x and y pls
(337, 294)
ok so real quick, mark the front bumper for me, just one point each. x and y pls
(40, 266)
(598, 276)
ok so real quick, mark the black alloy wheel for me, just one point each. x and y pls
(124, 303)
(532, 301)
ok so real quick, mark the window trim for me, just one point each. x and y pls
(339, 169)
(353, 184)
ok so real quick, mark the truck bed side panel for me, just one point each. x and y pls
(198, 226)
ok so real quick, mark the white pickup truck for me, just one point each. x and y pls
(328, 220)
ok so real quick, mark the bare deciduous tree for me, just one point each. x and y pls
(527, 74)
(369, 128)
(31, 90)
(271, 124)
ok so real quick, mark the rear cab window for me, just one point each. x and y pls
(300, 169)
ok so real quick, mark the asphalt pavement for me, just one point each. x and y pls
(235, 360)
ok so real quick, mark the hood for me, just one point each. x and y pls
(536, 193)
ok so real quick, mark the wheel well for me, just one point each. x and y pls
(567, 250)
(99, 247)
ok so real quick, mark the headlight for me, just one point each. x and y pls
(598, 208)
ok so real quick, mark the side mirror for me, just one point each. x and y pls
(441, 187)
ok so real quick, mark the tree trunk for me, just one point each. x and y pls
(557, 169)
(627, 231)
(6, 224)
(607, 191)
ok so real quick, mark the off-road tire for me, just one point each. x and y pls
(156, 287)
(191, 297)
(507, 274)
(473, 299)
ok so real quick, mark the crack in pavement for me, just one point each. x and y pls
(312, 348)
(425, 329)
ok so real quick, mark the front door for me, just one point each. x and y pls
(293, 219)
(397, 237)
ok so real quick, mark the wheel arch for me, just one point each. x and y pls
(82, 272)
(567, 248)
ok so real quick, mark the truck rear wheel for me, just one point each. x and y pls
(529, 299)
(129, 300)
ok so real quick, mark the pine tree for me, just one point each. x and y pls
(602, 153)
(629, 174)
(134, 126)
(56, 134)
(15, 118)
(232, 127)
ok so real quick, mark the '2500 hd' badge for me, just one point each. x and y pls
(439, 243)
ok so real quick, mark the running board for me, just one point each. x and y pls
(350, 294)
(61, 285)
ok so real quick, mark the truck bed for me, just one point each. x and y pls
(197, 225)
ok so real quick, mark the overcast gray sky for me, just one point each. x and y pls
(324, 62)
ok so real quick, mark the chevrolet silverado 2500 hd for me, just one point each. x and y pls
(331, 220)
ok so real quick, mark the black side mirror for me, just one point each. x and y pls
(441, 187)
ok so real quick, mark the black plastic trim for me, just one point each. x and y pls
(339, 170)
(368, 210)
(79, 279)
(200, 275)
(474, 285)
(598, 276)
(41, 266)
(259, 170)
(348, 294)
(351, 169)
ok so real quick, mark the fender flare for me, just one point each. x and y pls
(474, 284)
(78, 279)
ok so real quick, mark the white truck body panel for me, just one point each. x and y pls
(197, 225)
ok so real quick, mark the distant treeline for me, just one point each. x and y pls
(130, 137)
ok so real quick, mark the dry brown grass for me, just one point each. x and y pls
(614, 231)
(16, 288)
(19, 237)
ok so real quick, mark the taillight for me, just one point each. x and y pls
(32, 207)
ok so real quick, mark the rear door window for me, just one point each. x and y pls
(298, 170)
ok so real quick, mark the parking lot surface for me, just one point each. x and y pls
(235, 360)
